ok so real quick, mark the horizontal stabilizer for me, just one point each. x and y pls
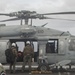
(61, 63)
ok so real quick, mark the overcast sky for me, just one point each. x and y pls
(42, 6)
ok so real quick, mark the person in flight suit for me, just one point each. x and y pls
(28, 53)
(13, 57)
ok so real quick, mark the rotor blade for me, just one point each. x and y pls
(4, 14)
(10, 19)
(58, 13)
(58, 19)
(63, 19)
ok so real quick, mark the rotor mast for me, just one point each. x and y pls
(26, 21)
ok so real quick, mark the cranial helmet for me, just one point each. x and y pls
(13, 44)
(28, 42)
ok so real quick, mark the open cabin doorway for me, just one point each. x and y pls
(21, 45)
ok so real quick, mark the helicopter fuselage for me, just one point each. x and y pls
(55, 45)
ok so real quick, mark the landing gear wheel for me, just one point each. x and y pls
(3, 73)
(43, 67)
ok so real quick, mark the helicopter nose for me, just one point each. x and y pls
(28, 31)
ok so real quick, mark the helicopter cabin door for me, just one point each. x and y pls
(51, 50)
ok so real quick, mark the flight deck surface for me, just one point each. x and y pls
(27, 73)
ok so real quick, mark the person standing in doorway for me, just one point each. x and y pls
(13, 57)
(28, 54)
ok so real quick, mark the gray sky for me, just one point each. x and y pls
(42, 6)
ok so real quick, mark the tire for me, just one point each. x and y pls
(43, 67)
(3, 73)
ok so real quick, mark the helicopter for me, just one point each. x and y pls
(53, 46)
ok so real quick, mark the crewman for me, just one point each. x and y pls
(28, 54)
(13, 57)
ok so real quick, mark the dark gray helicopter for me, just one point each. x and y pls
(54, 47)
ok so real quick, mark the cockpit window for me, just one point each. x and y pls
(52, 46)
(72, 45)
